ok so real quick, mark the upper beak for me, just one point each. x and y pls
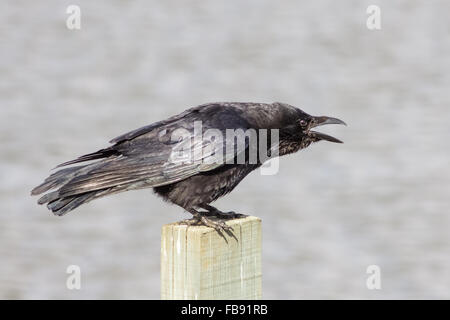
(320, 121)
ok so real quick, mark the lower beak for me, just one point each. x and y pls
(320, 121)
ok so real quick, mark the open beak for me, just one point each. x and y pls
(320, 121)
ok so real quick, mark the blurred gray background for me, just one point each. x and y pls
(381, 198)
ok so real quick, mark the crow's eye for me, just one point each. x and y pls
(303, 123)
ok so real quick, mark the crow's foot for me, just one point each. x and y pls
(218, 225)
(202, 218)
(212, 211)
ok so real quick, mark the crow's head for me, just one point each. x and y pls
(306, 122)
(297, 132)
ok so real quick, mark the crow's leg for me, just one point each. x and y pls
(201, 218)
(212, 211)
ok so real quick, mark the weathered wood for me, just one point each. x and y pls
(198, 263)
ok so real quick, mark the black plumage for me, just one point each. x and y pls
(144, 158)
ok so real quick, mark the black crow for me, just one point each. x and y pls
(181, 164)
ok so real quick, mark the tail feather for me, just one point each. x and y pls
(61, 206)
(60, 202)
(56, 205)
(56, 179)
(49, 197)
(100, 154)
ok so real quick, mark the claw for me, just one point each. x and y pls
(202, 218)
(218, 225)
(198, 220)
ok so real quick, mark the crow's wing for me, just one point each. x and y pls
(164, 152)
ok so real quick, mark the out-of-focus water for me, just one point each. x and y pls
(381, 198)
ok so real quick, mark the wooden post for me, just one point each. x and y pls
(198, 263)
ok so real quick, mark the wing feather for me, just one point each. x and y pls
(150, 156)
(155, 166)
